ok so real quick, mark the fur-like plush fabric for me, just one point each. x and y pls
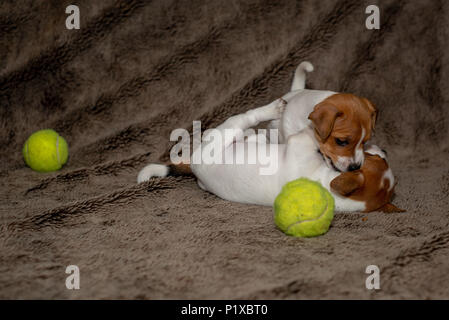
(136, 70)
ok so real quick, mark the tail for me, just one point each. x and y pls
(299, 80)
(163, 170)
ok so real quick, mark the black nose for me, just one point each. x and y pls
(354, 166)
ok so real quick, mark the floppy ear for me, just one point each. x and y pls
(373, 111)
(389, 208)
(347, 182)
(323, 118)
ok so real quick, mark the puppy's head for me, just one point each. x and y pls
(343, 123)
(373, 183)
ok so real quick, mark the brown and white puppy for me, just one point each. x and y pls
(372, 184)
(342, 122)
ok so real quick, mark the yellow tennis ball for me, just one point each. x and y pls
(45, 151)
(303, 208)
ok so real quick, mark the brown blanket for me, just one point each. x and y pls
(135, 71)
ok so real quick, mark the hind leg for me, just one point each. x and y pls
(216, 141)
(250, 119)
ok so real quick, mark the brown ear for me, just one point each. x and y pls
(347, 182)
(373, 111)
(323, 118)
(389, 208)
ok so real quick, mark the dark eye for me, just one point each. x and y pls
(341, 142)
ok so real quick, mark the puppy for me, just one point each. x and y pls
(342, 122)
(367, 189)
(372, 184)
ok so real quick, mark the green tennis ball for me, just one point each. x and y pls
(45, 151)
(303, 208)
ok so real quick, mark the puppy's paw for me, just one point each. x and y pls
(273, 111)
(281, 104)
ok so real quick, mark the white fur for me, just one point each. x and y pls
(375, 150)
(359, 157)
(388, 175)
(299, 79)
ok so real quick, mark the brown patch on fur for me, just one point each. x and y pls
(347, 183)
(181, 169)
(323, 118)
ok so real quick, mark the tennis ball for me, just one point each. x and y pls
(303, 208)
(45, 151)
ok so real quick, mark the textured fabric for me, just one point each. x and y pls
(136, 70)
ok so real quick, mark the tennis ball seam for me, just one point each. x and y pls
(309, 220)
